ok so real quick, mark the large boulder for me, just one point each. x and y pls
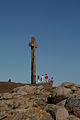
(60, 93)
(67, 84)
(5, 96)
(21, 103)
(74, 87)
(3, 106)
(23, 90)
(62, 103)
(51, 109)
(73, 105)
(39, 90)
(61, 114)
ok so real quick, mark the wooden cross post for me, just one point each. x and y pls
(33, 45)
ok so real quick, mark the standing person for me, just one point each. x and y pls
(52, 79)
(42, 78)
(49, 81)
(38, 79)
(46, 77)
(9, 81)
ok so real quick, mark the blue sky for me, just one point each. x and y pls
(56, 26)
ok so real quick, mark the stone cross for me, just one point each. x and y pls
(33, 45)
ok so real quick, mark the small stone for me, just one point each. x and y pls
(40, 87)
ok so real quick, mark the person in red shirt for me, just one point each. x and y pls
(9, 81)
(46, 77)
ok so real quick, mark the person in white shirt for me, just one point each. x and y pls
(38, 79)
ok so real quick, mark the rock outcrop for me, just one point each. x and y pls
(66, 101)
(37, 102)
(73, 104)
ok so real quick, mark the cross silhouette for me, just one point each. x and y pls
(33, 45)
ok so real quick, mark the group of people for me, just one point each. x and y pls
(44, 79)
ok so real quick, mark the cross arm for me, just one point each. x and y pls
(33, 45)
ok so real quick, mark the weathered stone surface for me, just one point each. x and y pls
(37, 91)
(5, 96)
(73, 105)
(30, 102)
(40, 87)
(3, 117)
(72, 117)
(51, 109)
(67, 84)
(60, 93)
(3, 106)
(77, 92)
(62, 103)
(61, 114)
(74, 87)
(30, 114)
(23, 90)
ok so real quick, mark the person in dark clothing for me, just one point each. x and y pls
(51, 79)
(46, 77)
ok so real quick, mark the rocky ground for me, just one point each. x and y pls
(41, 102)
(8, 87)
